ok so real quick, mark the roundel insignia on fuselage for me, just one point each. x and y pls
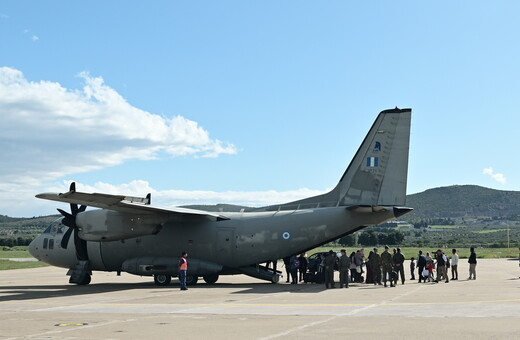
(286, 235)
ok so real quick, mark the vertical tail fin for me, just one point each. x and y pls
(377, 174)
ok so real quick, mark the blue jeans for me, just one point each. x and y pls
(182, 278)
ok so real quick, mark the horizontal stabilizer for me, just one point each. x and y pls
(398, 211)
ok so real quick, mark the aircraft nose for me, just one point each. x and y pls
(33, 247)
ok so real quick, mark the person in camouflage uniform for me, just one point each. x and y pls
(330, 260)
(386, 263)
(344, 267)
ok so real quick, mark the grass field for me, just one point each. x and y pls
(489, 231)
(6, 264)
(486, 253)
(17, 253)
(434, 226)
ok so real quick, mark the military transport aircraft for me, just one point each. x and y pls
(130, 235)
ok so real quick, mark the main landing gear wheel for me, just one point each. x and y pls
(162, 279)
(275, 278)
(211, 279)
(85, 280)
(191, 280)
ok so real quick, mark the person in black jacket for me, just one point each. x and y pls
(472, 260)
(442, 260)
(304, 263)
(287, 265)
(398, 260)
(421, 263)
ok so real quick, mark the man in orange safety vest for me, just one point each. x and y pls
(183, 268)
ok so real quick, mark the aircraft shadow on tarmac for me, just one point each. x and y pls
(10, 293)
(21, 293)
(269, 288)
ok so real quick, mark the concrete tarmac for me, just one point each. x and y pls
(40, 304)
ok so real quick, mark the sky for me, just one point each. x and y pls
(249, 102)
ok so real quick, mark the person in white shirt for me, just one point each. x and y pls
(454, 264)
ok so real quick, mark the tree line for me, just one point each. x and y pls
(13, 242)
(371, 238)
(433, 221)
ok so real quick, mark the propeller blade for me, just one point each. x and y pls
(66, 237)
(81, 247)
(65, 214)
(68, 219)
(74, 209)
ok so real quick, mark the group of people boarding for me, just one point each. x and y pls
(388, 268)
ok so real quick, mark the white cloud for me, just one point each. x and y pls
(500, 178)
(49, 132)
(34, 37)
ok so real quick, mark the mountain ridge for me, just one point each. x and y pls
(461, 201)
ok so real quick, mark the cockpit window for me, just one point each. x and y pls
(51, 243)
(45, 242)
(56, 227)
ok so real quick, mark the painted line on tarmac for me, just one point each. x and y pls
(340, 315)
(262, 304)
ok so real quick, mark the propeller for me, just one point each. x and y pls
(69, 219)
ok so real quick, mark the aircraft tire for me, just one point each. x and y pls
(275, 279)
(85, 281)
(162, 279)
(211, 279)
(191, 280)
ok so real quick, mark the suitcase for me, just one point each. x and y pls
(309, 277)
(313, 277)
(319, 278)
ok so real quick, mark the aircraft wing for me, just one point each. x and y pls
(128, 204)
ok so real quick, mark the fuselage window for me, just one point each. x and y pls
(45, 242)
(51, 243)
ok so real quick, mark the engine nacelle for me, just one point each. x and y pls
(108, 225)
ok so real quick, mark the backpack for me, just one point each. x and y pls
(296, 264)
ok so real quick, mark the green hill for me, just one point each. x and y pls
(464, 201)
